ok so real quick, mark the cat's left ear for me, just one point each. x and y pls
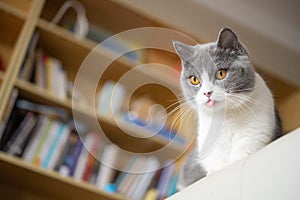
(227, 39)
(184, 51)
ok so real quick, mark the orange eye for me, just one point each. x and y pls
(194, 80)
(221, 74)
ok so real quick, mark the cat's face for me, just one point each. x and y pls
(216, 75)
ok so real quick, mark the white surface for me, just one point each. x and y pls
(271, 173)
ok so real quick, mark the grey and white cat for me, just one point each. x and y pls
(218, 79)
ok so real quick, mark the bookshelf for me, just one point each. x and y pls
(22, 19)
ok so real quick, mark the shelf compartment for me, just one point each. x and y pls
(11, 28)
(45, 183)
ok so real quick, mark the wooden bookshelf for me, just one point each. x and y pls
(21, 19)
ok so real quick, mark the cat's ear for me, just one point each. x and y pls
(184, 51)
(227, 39)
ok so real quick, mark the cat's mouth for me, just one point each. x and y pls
(210, 103)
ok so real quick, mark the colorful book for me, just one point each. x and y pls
(32, 146)
(56, 145)
(75, 157)
(37, 159)
(83, 158)
(130, 177)
(139, 188)
(164, 181)
(151, 194)
(63, 166)
(92, 158)
(106, 172)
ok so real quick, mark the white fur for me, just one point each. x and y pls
(242, 132)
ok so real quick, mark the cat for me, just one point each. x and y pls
(218, 79)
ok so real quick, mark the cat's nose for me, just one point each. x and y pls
(208, 94)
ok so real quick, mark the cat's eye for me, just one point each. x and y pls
(194, 80)
(221, 74)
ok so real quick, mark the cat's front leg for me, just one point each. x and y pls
(243, 148)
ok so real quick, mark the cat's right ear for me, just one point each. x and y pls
(184, 51)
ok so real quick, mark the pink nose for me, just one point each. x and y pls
(208, 94)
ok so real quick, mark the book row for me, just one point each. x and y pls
(44, 137)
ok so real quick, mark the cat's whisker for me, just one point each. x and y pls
(251, 100)
(243, 104)
(179, 116)
(180, 106)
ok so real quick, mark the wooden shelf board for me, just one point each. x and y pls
(49, 183)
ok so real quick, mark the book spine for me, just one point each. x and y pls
(7, 114)
(16, 147)
(57, 136)
(106, 173)
(76, 155)
(91, 158)
(34, 142)
(18, 131)
(50, 139)
(37, 155)
(82, 160)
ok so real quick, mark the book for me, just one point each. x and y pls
(143, 182)
(151, 194)
(8, 110)
(32, 146)
(40, 69)
(63, 165)
(75, 157)
(16, 143)
(121, 177)
(104, 97)
(92, 158)
(56, 81)
(83, 158)
(26, 71)
(130, 177)
(39, 150)
(13, 123)
(106, 173)
(51, 111)
(164, 181)
(60, 138)
(48, 142)
(111, 98)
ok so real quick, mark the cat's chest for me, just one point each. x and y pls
(230, 134)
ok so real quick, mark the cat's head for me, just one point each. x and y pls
(214, 73)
